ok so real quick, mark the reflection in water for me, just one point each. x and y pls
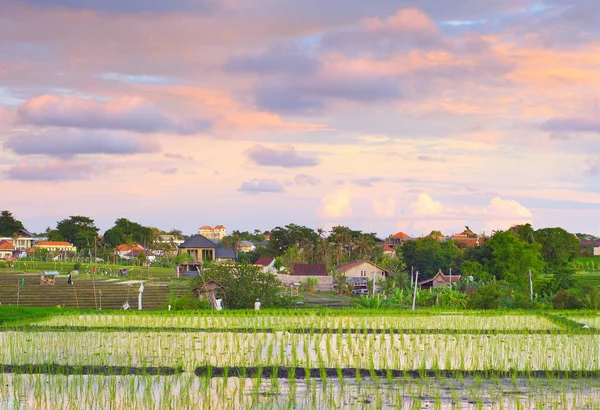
(188, 391)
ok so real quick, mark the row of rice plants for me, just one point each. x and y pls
(186, 391)
(368, 351)
(285, 322)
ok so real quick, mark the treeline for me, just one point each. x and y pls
(82, 232)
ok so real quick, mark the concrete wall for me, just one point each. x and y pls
(597, 251)
(324, 282)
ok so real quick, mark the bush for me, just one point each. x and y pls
(188, 302)
(568, 299)
(486, 297)
(77, 266)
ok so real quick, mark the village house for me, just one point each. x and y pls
(301, 272)
(267, 264)
(135, 253)
(358, 273)
(201, 249)
(439, 280)
(22, 240)
(215, 234)
(593, 245)
(363, 269)
(245, 246)
(397, 239)
(123, 250)
(467, 239)
(389, 251)
(7, 250)
(55, 246)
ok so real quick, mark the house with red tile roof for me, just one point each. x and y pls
(397, 239)
(123, 249)
(54, 246)
(6, 250)
(388, 251)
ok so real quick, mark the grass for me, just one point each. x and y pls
(11, 314)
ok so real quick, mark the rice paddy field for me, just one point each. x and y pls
(301, 360)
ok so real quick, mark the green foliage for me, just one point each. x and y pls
(126, 231)
(524, 233)
(187, 302)
(486, 297)
(291, 235)
(512, 258)
(475, 269)
(559, 247)
(374, 302)
(340, 282)
(568, 299)
(311, 284)
(243, 284)
(77, 266)
(8, 224)
(142, 258)
(427, 256)
(449, 298)
(183, 257)
(564, 277)
(56, 236)
(78, 230)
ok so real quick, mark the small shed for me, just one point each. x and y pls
(208, 291)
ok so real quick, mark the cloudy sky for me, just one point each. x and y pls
(381, 115)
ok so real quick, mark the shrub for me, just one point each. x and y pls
(568, 299)
(486, 297)
(188, 302)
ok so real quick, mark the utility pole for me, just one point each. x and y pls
(415, 291)
(411, 275)
(530, 286)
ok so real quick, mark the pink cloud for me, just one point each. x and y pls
(121, 113)
(50, 171)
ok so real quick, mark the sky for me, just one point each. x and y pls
(384, 116)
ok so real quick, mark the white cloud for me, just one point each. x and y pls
(426, 206)
(426, 214)
(337, 204)
(384, 208)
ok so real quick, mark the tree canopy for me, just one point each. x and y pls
(8, 224)
(79, 230)
(242, 284)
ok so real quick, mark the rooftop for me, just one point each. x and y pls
(309, 269)
(197, 241)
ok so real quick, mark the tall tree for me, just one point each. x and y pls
(8, 224)
(559, 247)
(126, 231)
(427, 256)
(524, 232)
(79, 230)
(513, 257)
